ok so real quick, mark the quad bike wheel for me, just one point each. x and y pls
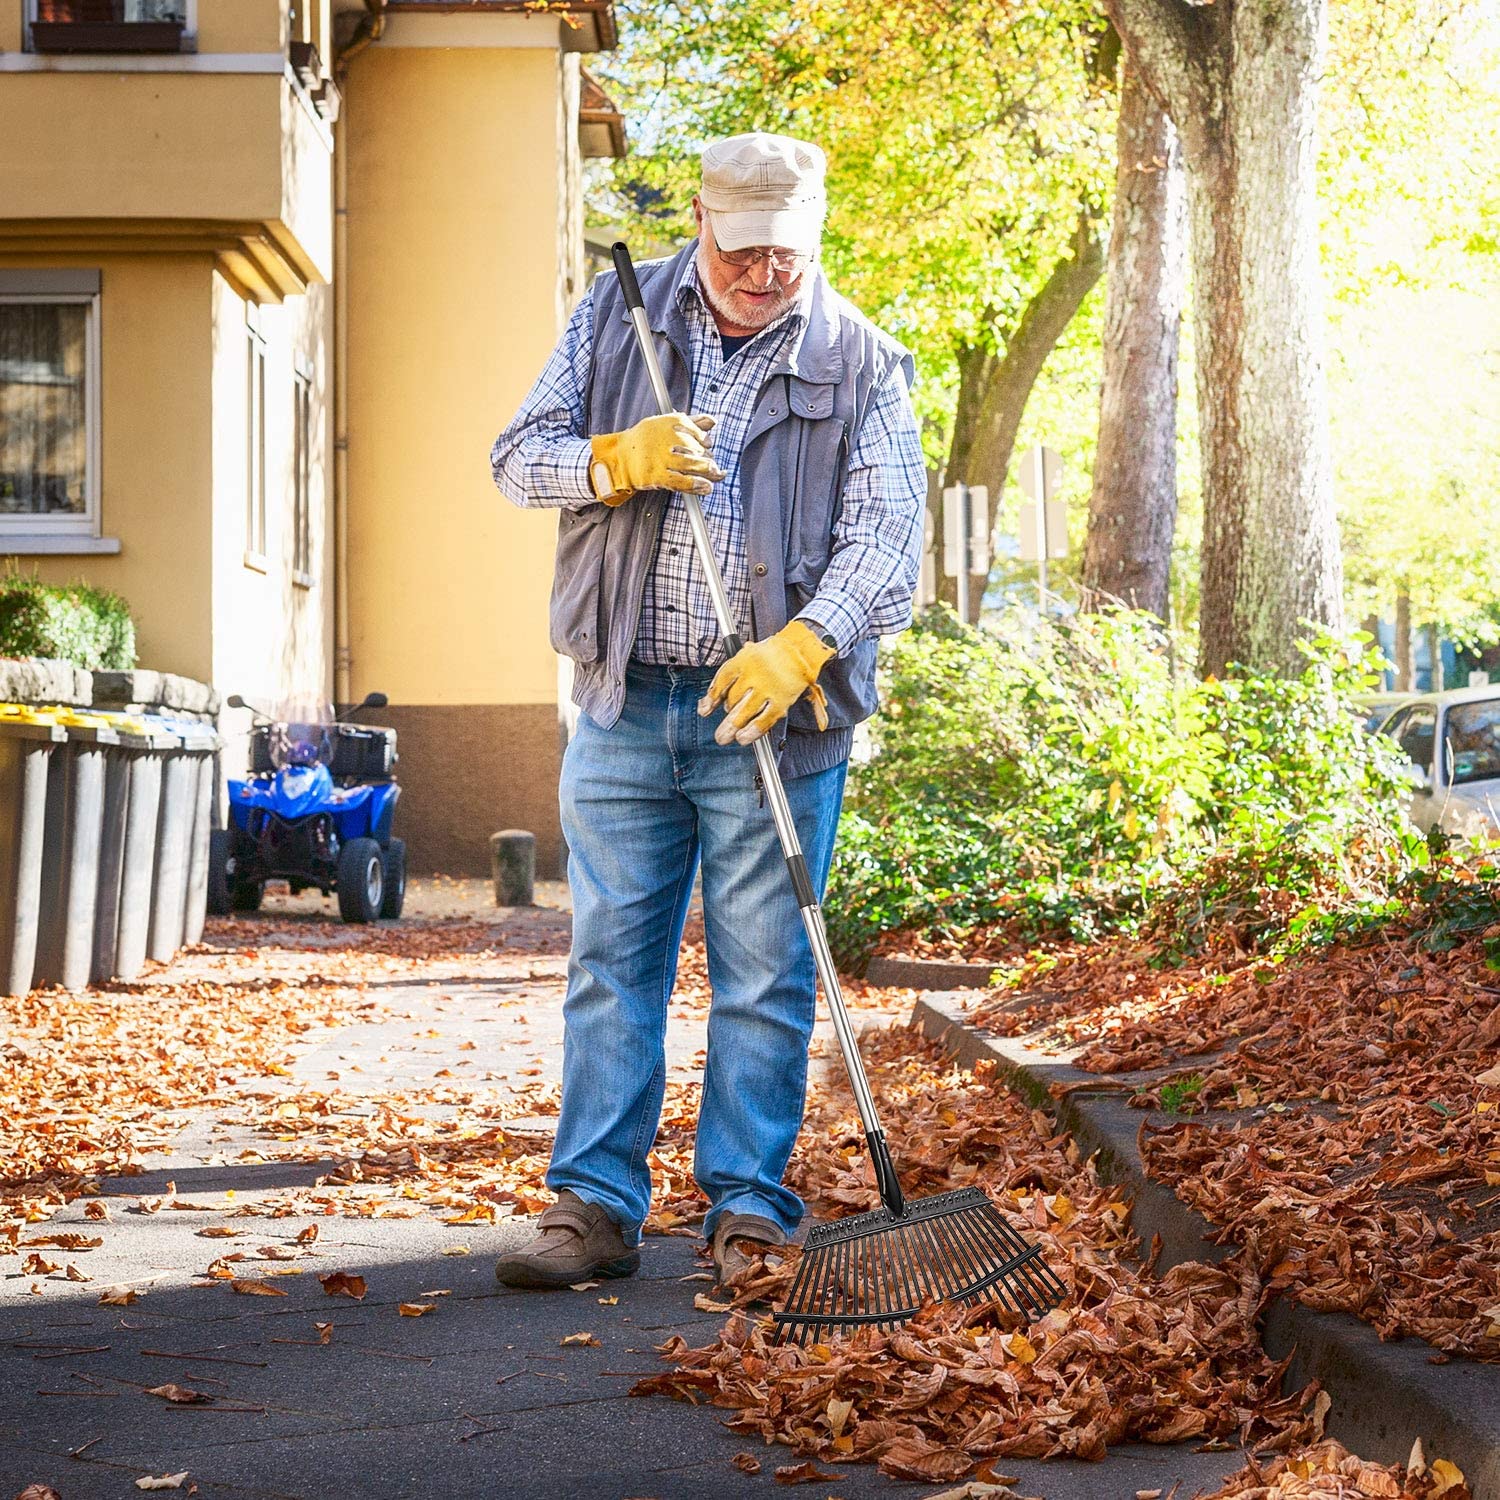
(361, 880)
(245, 895)
(395, 880)
(219, 902)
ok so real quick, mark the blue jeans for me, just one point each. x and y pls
(641, 804)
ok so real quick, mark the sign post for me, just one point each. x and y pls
(966, 538)
(1044, 522)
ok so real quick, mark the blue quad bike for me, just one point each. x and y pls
(315, 810)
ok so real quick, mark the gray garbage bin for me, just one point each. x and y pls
(136, 855)
(70, 851)
(28, 740)
(181, 878)
(196, 908)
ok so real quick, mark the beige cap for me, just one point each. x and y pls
(764, 190)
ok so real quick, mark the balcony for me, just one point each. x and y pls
(106, 26)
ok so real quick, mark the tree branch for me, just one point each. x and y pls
(1161, 37)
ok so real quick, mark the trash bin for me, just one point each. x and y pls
(70, 850)
(28, 741)
(128, 861)
(135, 741)
(180, 885)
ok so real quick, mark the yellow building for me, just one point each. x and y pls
(272, 275)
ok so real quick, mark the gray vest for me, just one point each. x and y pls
(792, 470)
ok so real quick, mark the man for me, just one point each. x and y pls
(805, 452)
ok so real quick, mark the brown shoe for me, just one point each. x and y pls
(740, 1241)
(576, 1241)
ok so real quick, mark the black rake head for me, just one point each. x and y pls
(879, 1269)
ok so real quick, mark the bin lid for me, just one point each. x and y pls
(24, 721)
(86, 727)
(144, 732)
(192, 734)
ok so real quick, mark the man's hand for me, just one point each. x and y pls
(666, 452)
(761, 681)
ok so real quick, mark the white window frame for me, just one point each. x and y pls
(256, 540)
(302, 444)
(17, 530)
(189, 25)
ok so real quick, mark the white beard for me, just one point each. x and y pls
(751, 315)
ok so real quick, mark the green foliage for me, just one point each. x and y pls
(1065, 778)
(1178, 1095)
(74, 622)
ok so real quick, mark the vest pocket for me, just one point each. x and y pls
(816, 490)
(574, 617)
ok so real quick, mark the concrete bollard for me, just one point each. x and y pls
(513, 866)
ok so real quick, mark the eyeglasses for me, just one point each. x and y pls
(781, 262)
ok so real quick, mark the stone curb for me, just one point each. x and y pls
(1385, 1395)
(926, 973)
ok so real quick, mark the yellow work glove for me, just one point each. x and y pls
(761, 681)
(666, 452)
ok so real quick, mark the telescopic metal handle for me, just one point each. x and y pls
(770, 775)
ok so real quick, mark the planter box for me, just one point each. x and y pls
(106, 36)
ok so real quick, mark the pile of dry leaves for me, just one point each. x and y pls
(1356, 1146)
(1129, 1357)
(1328, 1471)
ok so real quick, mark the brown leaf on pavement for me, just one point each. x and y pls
(249, 1286)
(308, 1235)
(804, 1473)
(747, 1463)
(95, 1209)
(415, 1309)
(162, 1482)
(118, 1296)
(579, 1339)
(179, 1395)
(344, 1284)
(39, 1492)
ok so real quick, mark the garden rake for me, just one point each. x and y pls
(876, 1268)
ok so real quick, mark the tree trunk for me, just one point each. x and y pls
(1133, 507)
(1404, 672)
(993, 388)
(1240, 80)
(1435, 657)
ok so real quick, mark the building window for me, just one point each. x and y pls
(255, 448)
(49, 405)
(110, 25)
(302, 418)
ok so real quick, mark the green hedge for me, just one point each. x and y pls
(72, 622)
(1065, 779)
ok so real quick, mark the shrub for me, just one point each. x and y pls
(1062, 776)
(87, 626)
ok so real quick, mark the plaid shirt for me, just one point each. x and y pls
(541, 460)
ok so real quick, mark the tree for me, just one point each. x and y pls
(1240, 80)
(1133, 505)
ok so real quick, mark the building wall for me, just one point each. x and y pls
(156, 455)
(455, 201)
(272, 632)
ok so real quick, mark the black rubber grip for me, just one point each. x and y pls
(625, 270)
(732, 642)
(801, 881)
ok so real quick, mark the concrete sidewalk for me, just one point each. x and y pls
(480, 1395)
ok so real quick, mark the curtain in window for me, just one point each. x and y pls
(43, 408)
(155, 10)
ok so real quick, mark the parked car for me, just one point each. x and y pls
(1376, 710)
(1453, 743)
(315, 810)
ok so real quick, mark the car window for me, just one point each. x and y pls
(1471, 740)
(1393, 725)
(1417, 736)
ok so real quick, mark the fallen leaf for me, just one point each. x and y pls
(94, 1209)
(344, 1284)
(74, 1274)
(606, 1301)
(165, 1482)
(805, 1473)
(1445, 1476)
(249, 1286)
(455, 1250)
(308, 1235)
(218, 1232)
(179, 1395)
(39, 1492)
(579, 1338)
(118, 1296)
(415, 1309)
(325, 1332)
(704, 1303)
(746, 1463)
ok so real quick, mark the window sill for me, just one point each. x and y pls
(303, 580)
(41, 545)
(256, 562)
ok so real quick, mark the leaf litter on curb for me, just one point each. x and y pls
(1354, 1142)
